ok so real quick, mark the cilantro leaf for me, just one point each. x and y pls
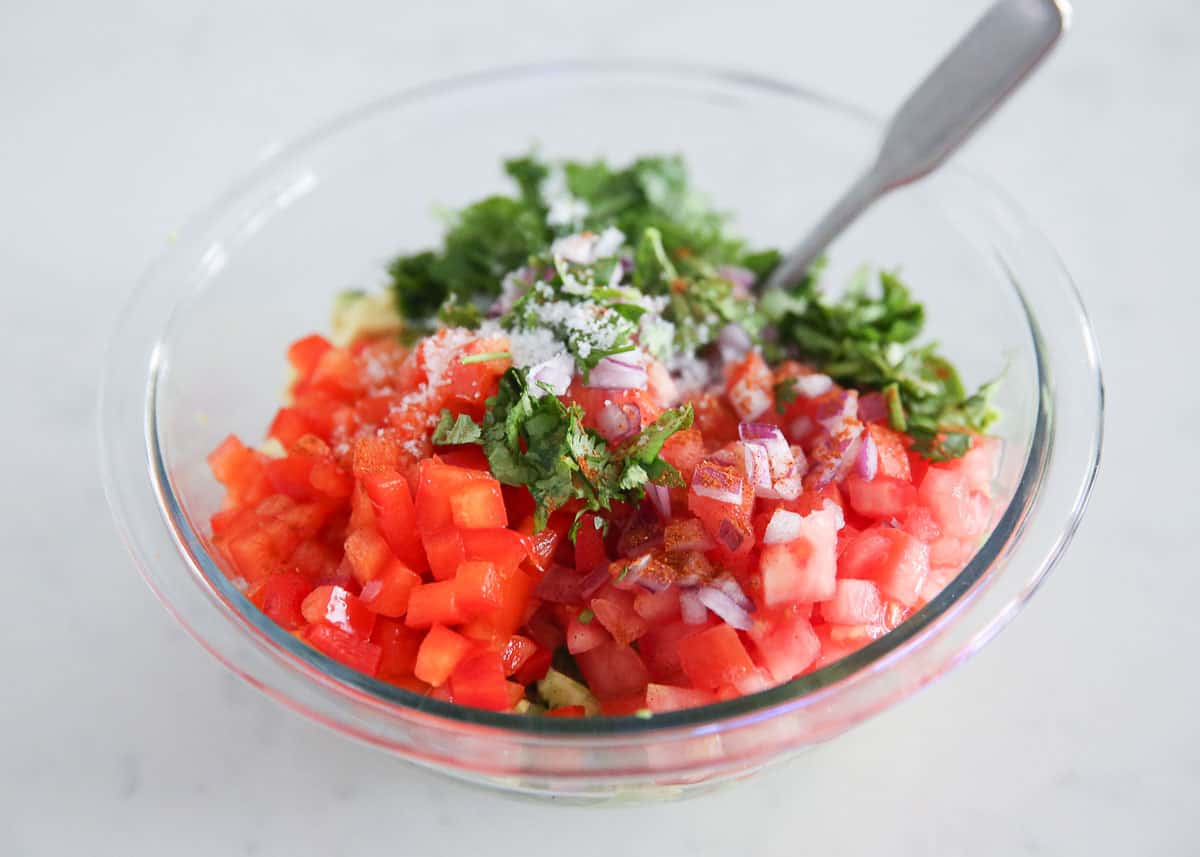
(785, 394)
(864, 340)
(451, 431)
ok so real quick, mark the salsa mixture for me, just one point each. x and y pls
(574, 461)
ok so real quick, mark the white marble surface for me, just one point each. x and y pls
(1076, 732)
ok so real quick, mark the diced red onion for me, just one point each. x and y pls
(624, 371)
(758, 466)
(834, 413)
(717, 484)
(729, 536)
(811, 386)
(771, 439)
(833, 455)
(556, 372)
(872, 408)
(593, 580)
(660, 496)
(560, 584)
(618, 422)
(866, 463)
(725, 456)
(642, 533)
(733, 342)
(721, 604)
(737, 275)
(731, 588)
(651, 575)
(691, 608)
(783, 527)
(627, 577)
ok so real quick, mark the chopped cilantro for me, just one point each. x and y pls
(586, 616)
(485, 357)
(532, 439)
(785, 394)
(451, 431)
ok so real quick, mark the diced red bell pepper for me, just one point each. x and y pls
(479, 681)
(516, 653)
(304, 354)
(368, 554)
(280, 597)
(535, 668)
(340, 608)
(479, 504)
(506, 548)
(345, 648)
(445, 552)
(440, 652)
(495, 626)
(433, 603)
(437, 483)
(389, 591)
(567, 711)
(479, 586)
(396, 517)
(398, 644)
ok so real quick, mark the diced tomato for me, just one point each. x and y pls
(623, 707)
(340, 608)
(289, 426)
(398, 645)
(960, 511)
(445, 552)
(714, 657)
(589, 544)
(479, 681)
(345, 648)
(614, 610)
(280, 597)
(440, 652)
(980, 464)
(748, 386)
(785, 642)
(920, 523)
(585, 636)
(388, 592)
(804, 569)
(893, 452)
(659, 647)
(478, 504)
(657, 607)
(856, 602)
(881, 498)
(661, 698)
(728, 524)
(434, 603)
(376, 454)
(613, 671)
(543, 545)
(683, 451)
(368, 554)
(517, 652)
(895, 560)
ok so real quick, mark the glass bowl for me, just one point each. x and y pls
(198, 353)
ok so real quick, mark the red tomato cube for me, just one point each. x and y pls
(613, 671)
(895, 560)
(714, 657)
(785, 642)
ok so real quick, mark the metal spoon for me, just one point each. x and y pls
(975, 78)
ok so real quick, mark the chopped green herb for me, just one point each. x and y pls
(586, 616)
(485, 357)
(643, 714)
(785, 394)
(451, 431)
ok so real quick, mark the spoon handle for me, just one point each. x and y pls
(967, 86)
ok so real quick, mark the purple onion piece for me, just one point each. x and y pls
(660, 496)
(832, 456)
(618, 422)
(594, 579)
(722, 605)
(626, 371)
(733, 342)
(811, 386)
(730, 587)
(717, 484)
(784, 527)
(556, 372)
(729, 536)
(866, 463)
(758, 466)
(691, 608)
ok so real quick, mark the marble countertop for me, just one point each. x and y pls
(1075, 732)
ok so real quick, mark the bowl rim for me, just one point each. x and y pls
(800, 692)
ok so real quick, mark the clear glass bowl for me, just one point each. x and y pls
(198, 353)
